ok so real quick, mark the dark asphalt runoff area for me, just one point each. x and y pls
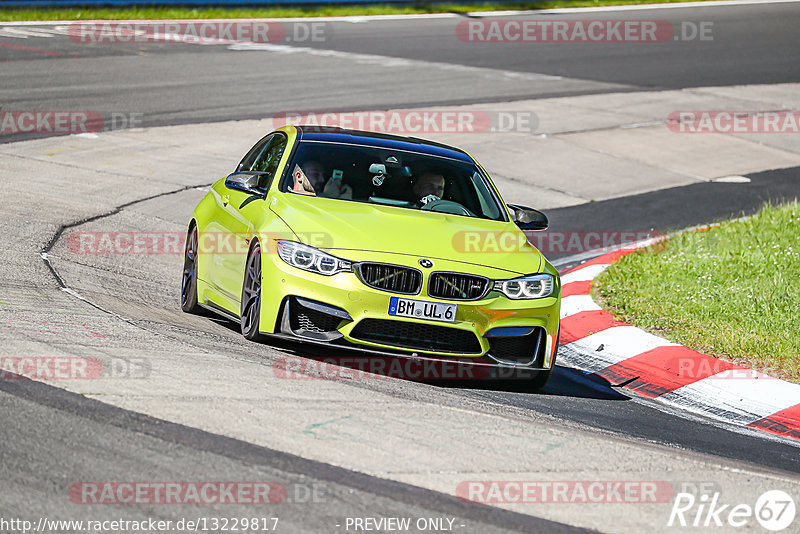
(72, 437)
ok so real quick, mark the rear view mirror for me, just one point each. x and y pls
(246, 181)
(529, 218)
(380, 168)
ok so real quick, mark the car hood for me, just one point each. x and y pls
(338, 225)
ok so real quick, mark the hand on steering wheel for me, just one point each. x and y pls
(446, 206)
(428, 198)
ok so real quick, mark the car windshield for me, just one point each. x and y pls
(391, 177)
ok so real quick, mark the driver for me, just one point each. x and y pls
(428, 186)
(309, 179)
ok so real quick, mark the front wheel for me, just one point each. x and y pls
(189, 281)
(541, 378)
(251, 295)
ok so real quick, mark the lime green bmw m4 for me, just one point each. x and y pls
(391, 245)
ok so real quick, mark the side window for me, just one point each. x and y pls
(247, 162)
(270, 157)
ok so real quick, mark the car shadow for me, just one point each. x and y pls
(341, 363)
(564, 382)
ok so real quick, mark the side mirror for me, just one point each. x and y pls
(529, 218)
(246, 181)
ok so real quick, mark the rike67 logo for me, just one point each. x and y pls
(774, 510)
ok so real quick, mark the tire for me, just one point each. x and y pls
(251, 295)
(189, 280)
(540, 380)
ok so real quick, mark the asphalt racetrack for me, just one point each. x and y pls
(193, 401)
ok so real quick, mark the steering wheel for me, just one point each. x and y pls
(446, 206)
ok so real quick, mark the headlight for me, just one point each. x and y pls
(311, 259)
(534, 286)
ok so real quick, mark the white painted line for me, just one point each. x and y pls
(584, 274)
(369, 59)
(740, 400)
(394, 62)
(732, 180)
(576, 304)
(24, 33)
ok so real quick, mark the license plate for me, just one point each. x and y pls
(419, 309)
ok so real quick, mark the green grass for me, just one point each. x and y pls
(179, 12)
(731, 292)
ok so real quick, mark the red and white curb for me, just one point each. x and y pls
(653, 367)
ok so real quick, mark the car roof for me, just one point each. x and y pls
(357, 137)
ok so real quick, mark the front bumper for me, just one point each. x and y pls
(342, 310)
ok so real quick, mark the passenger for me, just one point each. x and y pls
(336, 189)
(429, 186)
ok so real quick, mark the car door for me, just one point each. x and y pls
(238, 210)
